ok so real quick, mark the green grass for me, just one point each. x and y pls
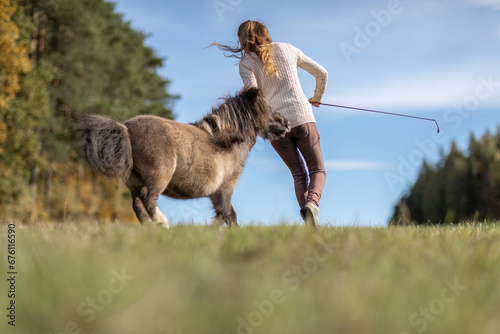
(278, 279)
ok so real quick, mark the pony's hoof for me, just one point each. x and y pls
(161, 224)
(164, 225)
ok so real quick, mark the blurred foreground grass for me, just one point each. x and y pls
(278, 279)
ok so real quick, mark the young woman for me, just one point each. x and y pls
(273, 68)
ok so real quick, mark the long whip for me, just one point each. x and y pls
(382, 112)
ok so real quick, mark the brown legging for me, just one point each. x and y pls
(304, 138)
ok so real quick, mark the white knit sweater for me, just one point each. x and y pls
(283, 91)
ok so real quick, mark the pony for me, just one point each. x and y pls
(154, 155)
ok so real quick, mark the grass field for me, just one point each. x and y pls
(279, 279)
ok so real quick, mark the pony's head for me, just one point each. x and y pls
(278, 127)
(242, 118)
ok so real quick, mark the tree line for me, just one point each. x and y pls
(58, 58)
(463, 186)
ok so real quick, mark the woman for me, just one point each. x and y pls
(273, 68)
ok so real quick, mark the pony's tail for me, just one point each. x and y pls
(107, 147)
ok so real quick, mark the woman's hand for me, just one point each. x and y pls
(314, 103)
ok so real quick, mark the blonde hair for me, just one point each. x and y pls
(253, 37)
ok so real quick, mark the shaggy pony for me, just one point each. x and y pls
(154, 155)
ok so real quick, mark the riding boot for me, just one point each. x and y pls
(310, 213)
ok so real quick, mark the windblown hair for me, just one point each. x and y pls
(253, 37)
(235, 119)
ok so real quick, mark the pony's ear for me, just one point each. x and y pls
(278, 127)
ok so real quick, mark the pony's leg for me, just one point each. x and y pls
(140, 211)
(138, 191)
(143, 215)
(160, 218)
(224, 211)
(151, 207)
(233, 219)
(154, 185)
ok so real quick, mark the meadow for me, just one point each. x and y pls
(125, 278)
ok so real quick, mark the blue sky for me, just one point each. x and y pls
(435, 59)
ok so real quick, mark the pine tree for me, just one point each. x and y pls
(14, 59)
(84, 58)
(24, 111)
(460, 188)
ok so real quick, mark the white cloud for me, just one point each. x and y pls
(488, 3)
(434, 90)
(351, 165)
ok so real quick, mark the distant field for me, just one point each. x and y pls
(281, 279)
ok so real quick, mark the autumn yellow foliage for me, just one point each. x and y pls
(14, 57)
(53, 66)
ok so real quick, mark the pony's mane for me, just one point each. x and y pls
(234, 120)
